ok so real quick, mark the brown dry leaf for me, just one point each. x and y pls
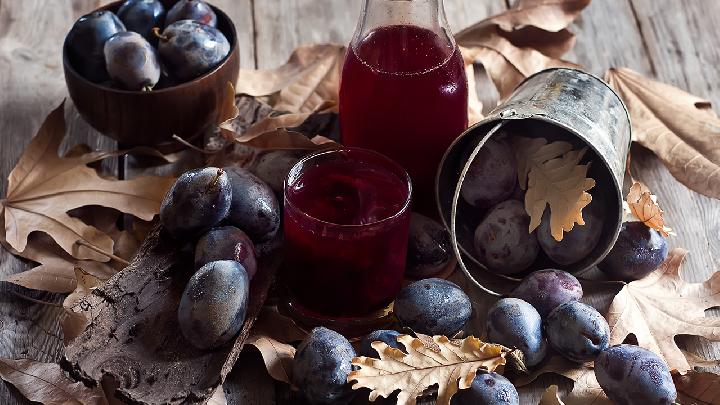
(533, 152)
(453, 367)
(278, 357)
(586, 389)
(77, 315)
(561, 184)
(43, 187)
(697, 388)
(551, 396)
(48, 384)
(218, 397)
(56, 272)
(644, 206)
(308, 79)
(662, 305)
(526, 39)
(681, 129)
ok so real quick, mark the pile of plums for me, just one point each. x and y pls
(128, 50)
(502, 242)
(228, 214)
(541, 315)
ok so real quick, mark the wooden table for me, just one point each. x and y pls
(674, 41)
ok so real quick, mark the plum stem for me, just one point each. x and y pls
(216, 179)
(156, 32)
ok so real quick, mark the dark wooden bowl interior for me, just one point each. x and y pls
(153, 117)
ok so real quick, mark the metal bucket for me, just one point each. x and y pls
(557, 104)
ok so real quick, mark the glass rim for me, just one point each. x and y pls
(297, 167)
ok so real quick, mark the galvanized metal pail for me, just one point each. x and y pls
(557, 104)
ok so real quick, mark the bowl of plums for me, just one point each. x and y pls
(141, 71)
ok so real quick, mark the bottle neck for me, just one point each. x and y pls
(427, 14)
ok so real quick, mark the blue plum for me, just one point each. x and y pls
(198, 200)
(433, 307)
(577, 331)
(86, 40)
(514, 323)
(488, 389)
(214, 304)
(492, 175)
(131, 61)
(321, 365)
(546, 289)
(638, 251)
(389, 337)
(502, 241)
(196, 10)
(190, 49)
(632, 375)
(142, 16)
(429, 249)
(226, 243)
(254, 208)
(579, 242)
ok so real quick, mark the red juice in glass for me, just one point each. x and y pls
(346, 228)
(404, 93)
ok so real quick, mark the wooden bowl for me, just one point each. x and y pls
(153, 117)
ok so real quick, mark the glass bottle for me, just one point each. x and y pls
(403, 90)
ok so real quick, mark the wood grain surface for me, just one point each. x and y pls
(673, 41)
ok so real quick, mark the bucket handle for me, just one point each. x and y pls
(453, 211)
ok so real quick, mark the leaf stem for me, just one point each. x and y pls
(102, 252)
(36, 301)
(193, 147)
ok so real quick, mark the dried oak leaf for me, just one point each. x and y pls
(48, 384)
(43, 187)
(308, 79)
(278, 357)
(559, 183)
(681, 129)
(697, 388)
(644, 206)
(662, 305)
(452, 366)
(533, 152)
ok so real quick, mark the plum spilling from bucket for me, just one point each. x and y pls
(86, 41)
(547, 289)
(185, 41)
(502, 240)
(579, 242)
(433, 307)
(638, 251)
(577, 331)
(131, 61)
(514, 323)
(488, 389)
(321, 365)
(142, 16)
(632, 375)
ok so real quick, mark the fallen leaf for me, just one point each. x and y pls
(586, 389)
(681, 129)
(278, 357)
(43, 187)
(77, 315)
(308, 79)
(662, 305)
(48, 384)
(644, 206)
(551, 396)
(56, 272)
(452, 367)
(533, 152)
(697, 388)
(559, 183)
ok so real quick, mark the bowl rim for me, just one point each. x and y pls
(68, 67)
